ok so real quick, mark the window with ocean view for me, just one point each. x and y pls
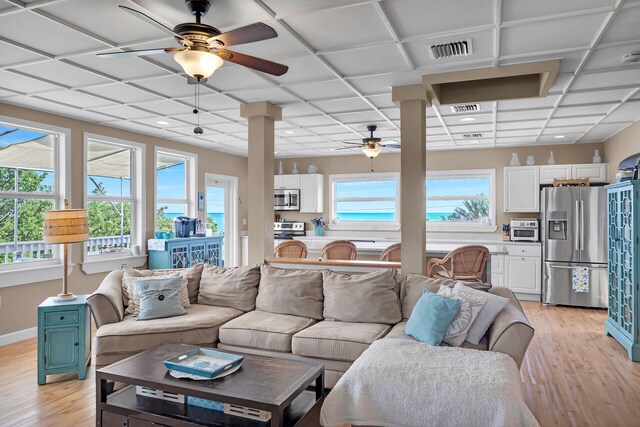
(365, 201)
(175, 196)
(456, 199)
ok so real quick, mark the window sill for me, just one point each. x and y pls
(32, 274)
(461, 228)
(102, 265)
(364, 227)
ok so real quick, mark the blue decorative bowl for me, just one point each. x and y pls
(159, 235)
(167, 236)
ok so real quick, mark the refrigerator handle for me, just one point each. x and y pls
(576, 227)
(581, 225)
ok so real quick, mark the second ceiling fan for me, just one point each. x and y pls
(203, 47)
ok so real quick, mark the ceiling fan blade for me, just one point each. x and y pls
(139, 52)
(344, 148)
(398, 146)
(352, 143)
(155, 23)
(259, 64)
(247, 34)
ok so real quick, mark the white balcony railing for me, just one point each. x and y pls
(35, 250)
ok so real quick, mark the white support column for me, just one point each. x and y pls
(413, 101)
(262, 117)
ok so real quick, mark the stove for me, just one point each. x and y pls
(287, 230)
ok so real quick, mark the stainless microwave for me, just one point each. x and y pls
(524, 230)
(286, 200)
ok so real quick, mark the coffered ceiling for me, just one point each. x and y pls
(343, 58)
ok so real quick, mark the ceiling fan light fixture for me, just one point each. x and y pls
(198, 63)
(371, 152)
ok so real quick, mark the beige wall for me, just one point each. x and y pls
(621, 146)
(19, 303)
(441, 160)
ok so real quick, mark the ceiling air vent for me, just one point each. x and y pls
(465, 108)
(451, 49)
(472, 135)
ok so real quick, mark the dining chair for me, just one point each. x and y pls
(291, 249)
(465, 263)
(339, 249)
(391, 253)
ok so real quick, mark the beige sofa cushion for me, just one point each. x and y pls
(337, 340)
(411, 290)
(397, 332)
(229, 287)
(263, 330)
(366, 298)
(192, 275)
(295, 292)
(199, 325)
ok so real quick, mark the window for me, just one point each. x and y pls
(114, 190)
(461, 200)
(31, 182)
(175, 187)
(365, 201)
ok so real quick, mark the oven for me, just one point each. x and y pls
(524, 230)
(286, 200)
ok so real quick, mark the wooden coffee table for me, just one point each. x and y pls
(278, 386)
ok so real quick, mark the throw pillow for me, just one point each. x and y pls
(364, 298)
(159, 297)
(191, 274)
(229, 287)
(493, 306)
(130, 275)
(431, 316)
(294, 292)
(412, 287)
(470, 307)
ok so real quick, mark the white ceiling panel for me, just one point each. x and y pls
(566, 130)
(123, 93)
(512, 140)
(309, 121)
(65, 74)
(480, 127)
(338, 27)
(569, 61)
(371, 60)
(322, 90)
(123, 111)
(122, 67)
(551, 34)
(233, 115)
(303, 69)
(75, 98)
(173, 86)
(504, 116)
(342, 105)
(524, 124)
(24, 84)
(613, 78)
(560, 84)
(290, 8)
(628, 112)
(524, 9)
(610, 95)
(382, 101)
(625, 26)
(518, 104)
(358, 117)
(275, 95)
(414, 17)
(231, 127)
(610, 56)
(215, 103)
(11, 54)
(605, 131)
(163, 108)
(572, 121)
(298, 109)
(583, 110)
(521, 132)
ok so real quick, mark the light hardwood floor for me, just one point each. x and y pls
(573, 375)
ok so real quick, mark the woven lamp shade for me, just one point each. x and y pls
(66, 226)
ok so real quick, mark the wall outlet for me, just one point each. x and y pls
(244, 221)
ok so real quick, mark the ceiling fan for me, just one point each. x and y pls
(371, 146)
(203, 47)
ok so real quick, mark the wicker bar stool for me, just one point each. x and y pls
(391, 253)
(466, 263)
(339, 249)
(291, 249)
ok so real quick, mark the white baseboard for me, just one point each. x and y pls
(527, 297)
(16, 336)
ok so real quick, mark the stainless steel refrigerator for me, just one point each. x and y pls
(574, 238)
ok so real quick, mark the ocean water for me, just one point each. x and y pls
(218, 217)
(383, 216)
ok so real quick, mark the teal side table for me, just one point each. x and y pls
(64, 337)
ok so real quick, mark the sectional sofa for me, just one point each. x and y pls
(309, 314)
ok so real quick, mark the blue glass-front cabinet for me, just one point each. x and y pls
(624, 266)
(64, 337)
(183, 253)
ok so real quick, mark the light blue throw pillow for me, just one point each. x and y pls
(431, 317)
(159, 297)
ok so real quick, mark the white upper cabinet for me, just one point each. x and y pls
(596, 172)
(291, 182)
(311, 193)
(550, 172)
(521, 189)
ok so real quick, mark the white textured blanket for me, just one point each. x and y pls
(408, 383)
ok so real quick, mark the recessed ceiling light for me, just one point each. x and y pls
(162, 122)
(289, 132)
(474, 141)
(468, 119)
(559, 136)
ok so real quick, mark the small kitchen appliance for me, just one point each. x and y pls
(184, 226)
(524, 230)
(287, 230)
(286, 199)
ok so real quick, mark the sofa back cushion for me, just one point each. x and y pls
(294, 292)
(411, 290)
(159, 297)
(133, 298)
(192, 276)
(365, 298)
(229, 287)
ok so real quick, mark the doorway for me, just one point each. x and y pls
(221, 214)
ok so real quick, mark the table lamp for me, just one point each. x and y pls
(63, 227)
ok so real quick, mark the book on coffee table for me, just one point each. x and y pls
(204, 362)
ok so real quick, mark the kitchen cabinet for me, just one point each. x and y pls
(291, 182)
(596, 172)
(550, 172)
(523, 269)
(311, 193)
(522, 189)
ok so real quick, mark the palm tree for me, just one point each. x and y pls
(473, 210)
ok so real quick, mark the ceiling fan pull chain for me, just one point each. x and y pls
(196, 109)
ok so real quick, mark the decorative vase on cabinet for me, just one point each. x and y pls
(623, 213)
